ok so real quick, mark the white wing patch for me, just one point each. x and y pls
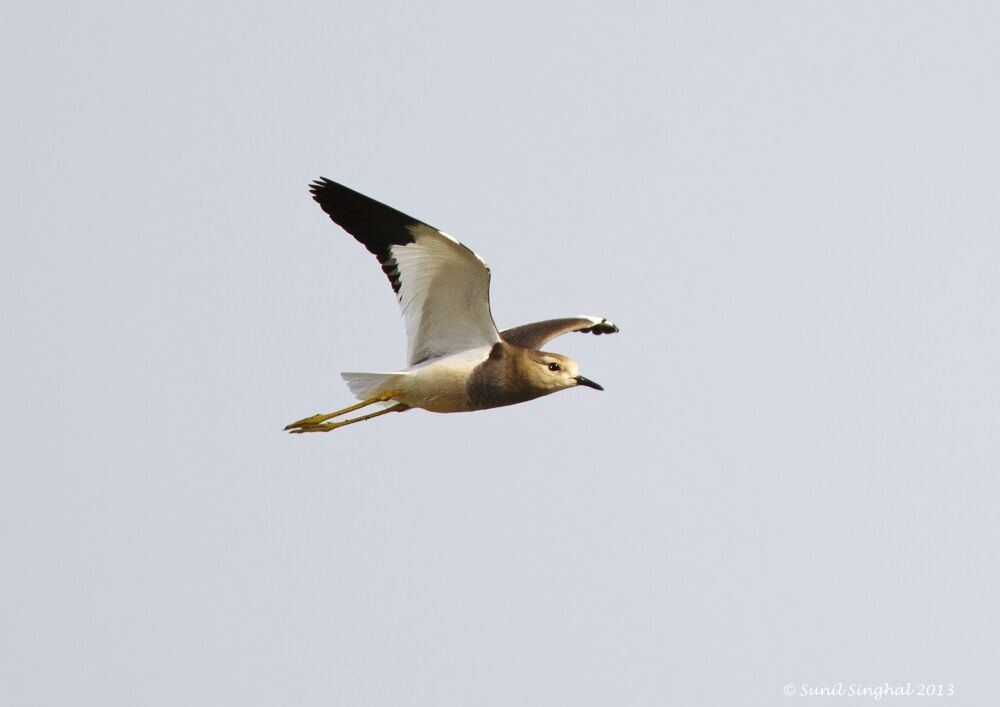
(444, 292)
(454, 240)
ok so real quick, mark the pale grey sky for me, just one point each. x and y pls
(791, 210)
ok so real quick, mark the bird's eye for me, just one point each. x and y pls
(554, 366)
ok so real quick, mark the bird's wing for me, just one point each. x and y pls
(535, 336)
(443, 287)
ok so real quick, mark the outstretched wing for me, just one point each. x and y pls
(535, 336)
(443, 287)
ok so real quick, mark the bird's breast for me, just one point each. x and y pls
(498, 381)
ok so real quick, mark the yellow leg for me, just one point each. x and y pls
(317, 419)
(398, 407)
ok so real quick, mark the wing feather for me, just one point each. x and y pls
(536, 335)
(442, 286)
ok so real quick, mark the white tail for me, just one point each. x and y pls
(367, 385)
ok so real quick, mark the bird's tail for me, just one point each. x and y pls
(367, 385)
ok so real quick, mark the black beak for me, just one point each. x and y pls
(580, 380)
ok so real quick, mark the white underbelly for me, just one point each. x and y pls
(440, 385)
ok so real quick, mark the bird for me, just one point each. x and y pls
(457, 359)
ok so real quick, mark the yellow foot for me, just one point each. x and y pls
(327, 426)
(307, 422)
(315, 422)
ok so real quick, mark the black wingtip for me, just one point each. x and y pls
(602, 327)
(320, 183)
(371, 222)
(327, 191)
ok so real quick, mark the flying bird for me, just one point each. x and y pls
(457, 360)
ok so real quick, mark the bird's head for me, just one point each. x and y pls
(549, 372)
